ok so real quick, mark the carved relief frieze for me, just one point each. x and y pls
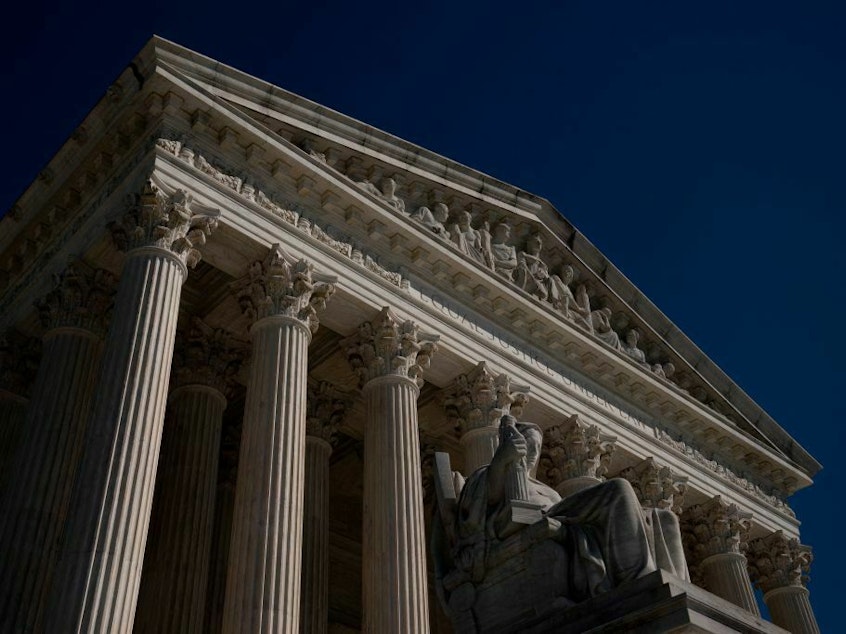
(694, 454)
(287, 211)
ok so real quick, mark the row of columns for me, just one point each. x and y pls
(80, 492)
(74, 541)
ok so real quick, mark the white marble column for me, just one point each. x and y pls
(326, 407)
(265, 557)
(18, 363)
(779, 566)
(715, 536)
(42, 474)
(175, 577)
(475, 402)
(389, 357)
(95, 586)
(660, 492)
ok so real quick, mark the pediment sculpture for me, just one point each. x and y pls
(507, 547)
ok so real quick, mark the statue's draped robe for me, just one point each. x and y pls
(602, 542)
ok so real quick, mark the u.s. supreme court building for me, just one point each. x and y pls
(265, 368)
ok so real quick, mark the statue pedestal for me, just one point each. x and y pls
(659, 602)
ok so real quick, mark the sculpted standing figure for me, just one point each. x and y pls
(389, 193)
(504, 255)
(466, 238)
(631, 349)
(575, 308)
(434, 219)
(532, 274)
(600, 320)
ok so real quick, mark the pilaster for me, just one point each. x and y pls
(477, 401)
(779, 566)
(95, 587)
(715, 537)
(74, 315)
(282, 297)
(389, 357)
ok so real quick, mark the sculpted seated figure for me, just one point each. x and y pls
(499, 558)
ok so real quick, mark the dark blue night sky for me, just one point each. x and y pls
(699, 145)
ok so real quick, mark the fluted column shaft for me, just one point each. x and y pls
(42, 476)
(263, 581)
(315, 579)
(96, 583)
(479, 447)
(394, 552)
(790, 608)
(726, 576)
(220, 556)
(173, 590)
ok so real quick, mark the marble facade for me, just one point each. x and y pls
(238, 326)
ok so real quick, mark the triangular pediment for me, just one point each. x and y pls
(401, 211)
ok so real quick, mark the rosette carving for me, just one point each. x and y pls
(573, 449)
(480, 398)
(656, 486)
(387, 346)
(778, 561)
(82, 298)
(167, 222)
(279, 286)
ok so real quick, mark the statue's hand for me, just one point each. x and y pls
(513, 447)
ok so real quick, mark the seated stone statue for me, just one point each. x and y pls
(532, 274)
(508, 546)
(434, 219)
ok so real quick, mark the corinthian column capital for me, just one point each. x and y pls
(284, 287)
(480, 398)
(656, 486)
(573, 450)
(389, 347)
(207, 356)
(714, 527)
(82, 298)
(163, 221)
(777, 561)
(326, 407)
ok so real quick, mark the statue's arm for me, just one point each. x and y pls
(511, 448)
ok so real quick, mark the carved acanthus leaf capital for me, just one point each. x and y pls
(656, 486)
(573, 449)
(389, 347)
(326, 406)
(167, 222)
(19, 358)
(282, 286)
(82, 298)
(480, 398)
(778, 561)
(207, 356)
(714, 527)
